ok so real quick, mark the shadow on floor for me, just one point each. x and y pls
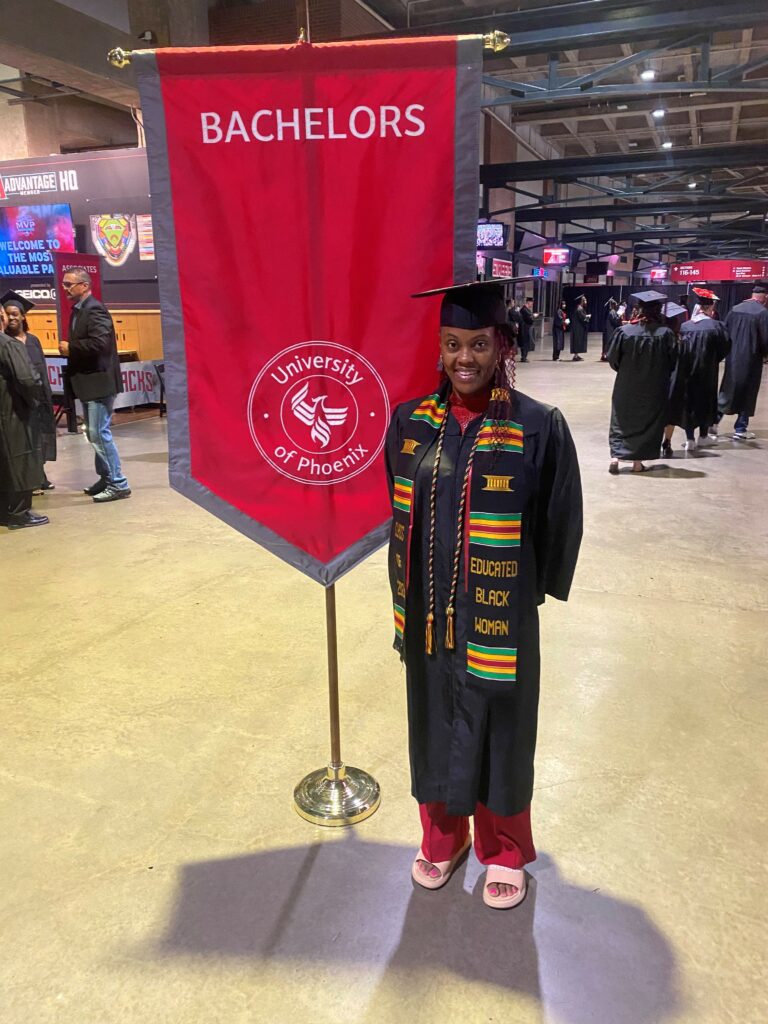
(584, 955)
(668, 472)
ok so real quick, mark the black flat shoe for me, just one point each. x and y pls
(97, 488)
(48, 486)
(666, 450)
(613, 469)
(24, 519)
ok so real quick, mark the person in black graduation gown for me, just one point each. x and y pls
(747, 327)
(560, 324)
(16, 308)
(579, 329)
(612, 322)
(477, 443)
(527, 320)
(644, 356)
(675, 316)
(703, 343)
(515, 322)
(21, 462)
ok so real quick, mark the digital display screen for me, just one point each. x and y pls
(491, 236)
(658, 273)
(556, 256)
(29, 235)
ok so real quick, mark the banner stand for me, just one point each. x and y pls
(338, 794)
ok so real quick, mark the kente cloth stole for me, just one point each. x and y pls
(490, 542)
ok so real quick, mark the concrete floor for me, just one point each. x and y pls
(163, 689)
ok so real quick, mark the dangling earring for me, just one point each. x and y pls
(440, 366)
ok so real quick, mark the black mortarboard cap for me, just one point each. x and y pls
(759, 288)
(672, 309)
(474, 305)
(18, 300)
(646, 297)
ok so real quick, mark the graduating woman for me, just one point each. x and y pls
(612, 322)
(579, 329)
(16, 308)
(487, 520)
(644, 356)
(704, 343)
(560, 325)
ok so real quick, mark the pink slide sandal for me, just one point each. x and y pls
(445, 867)
(495, 875)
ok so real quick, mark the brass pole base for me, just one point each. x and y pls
(337, 796)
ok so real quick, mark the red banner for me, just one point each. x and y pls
(719, 270)
(300, 195)
(62, 262)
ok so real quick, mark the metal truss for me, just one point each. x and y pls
(576, 169)
(589, 23)
(559, 87)
(689, 209)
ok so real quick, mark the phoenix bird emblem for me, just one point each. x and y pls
(317, 416)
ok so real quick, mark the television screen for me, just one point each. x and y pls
(492, 235)
(30, 234)
(658, 273)
(556, 256)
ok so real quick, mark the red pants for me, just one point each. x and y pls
(505, 841)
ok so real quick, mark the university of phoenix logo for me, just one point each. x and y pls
(318, 413)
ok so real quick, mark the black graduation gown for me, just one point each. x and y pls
(526, 336)
(644, 359)
(579, 330)
(466, 746)
(611, 325)
(747, 327)
(46, 418)
(514, 318)
(558, 331)
(703, 343)
(21, 461)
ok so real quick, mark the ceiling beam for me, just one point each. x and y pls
(705, 158)
(583, 23)
(654, 232)
(705, 207)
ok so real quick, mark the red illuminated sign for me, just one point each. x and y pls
(719, 270)
(554, 256)
(503, 268)
(658, 273)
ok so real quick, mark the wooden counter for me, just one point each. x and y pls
(137, 330)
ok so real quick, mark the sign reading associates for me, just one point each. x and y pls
(300, 195)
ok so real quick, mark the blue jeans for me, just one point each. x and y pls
(741, 424)
(98, 430)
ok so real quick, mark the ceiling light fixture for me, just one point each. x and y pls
(666, 145)
(658, 114)
(692, 184)
(622, 106)
(648, 75)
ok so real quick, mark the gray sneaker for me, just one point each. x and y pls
(112, 494)
(744, 435)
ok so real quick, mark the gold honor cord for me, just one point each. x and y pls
(495, 41)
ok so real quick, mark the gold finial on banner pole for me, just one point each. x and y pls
(120, 58)
(496, 41)
(338, 794)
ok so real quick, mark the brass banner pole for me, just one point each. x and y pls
(338, 794)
